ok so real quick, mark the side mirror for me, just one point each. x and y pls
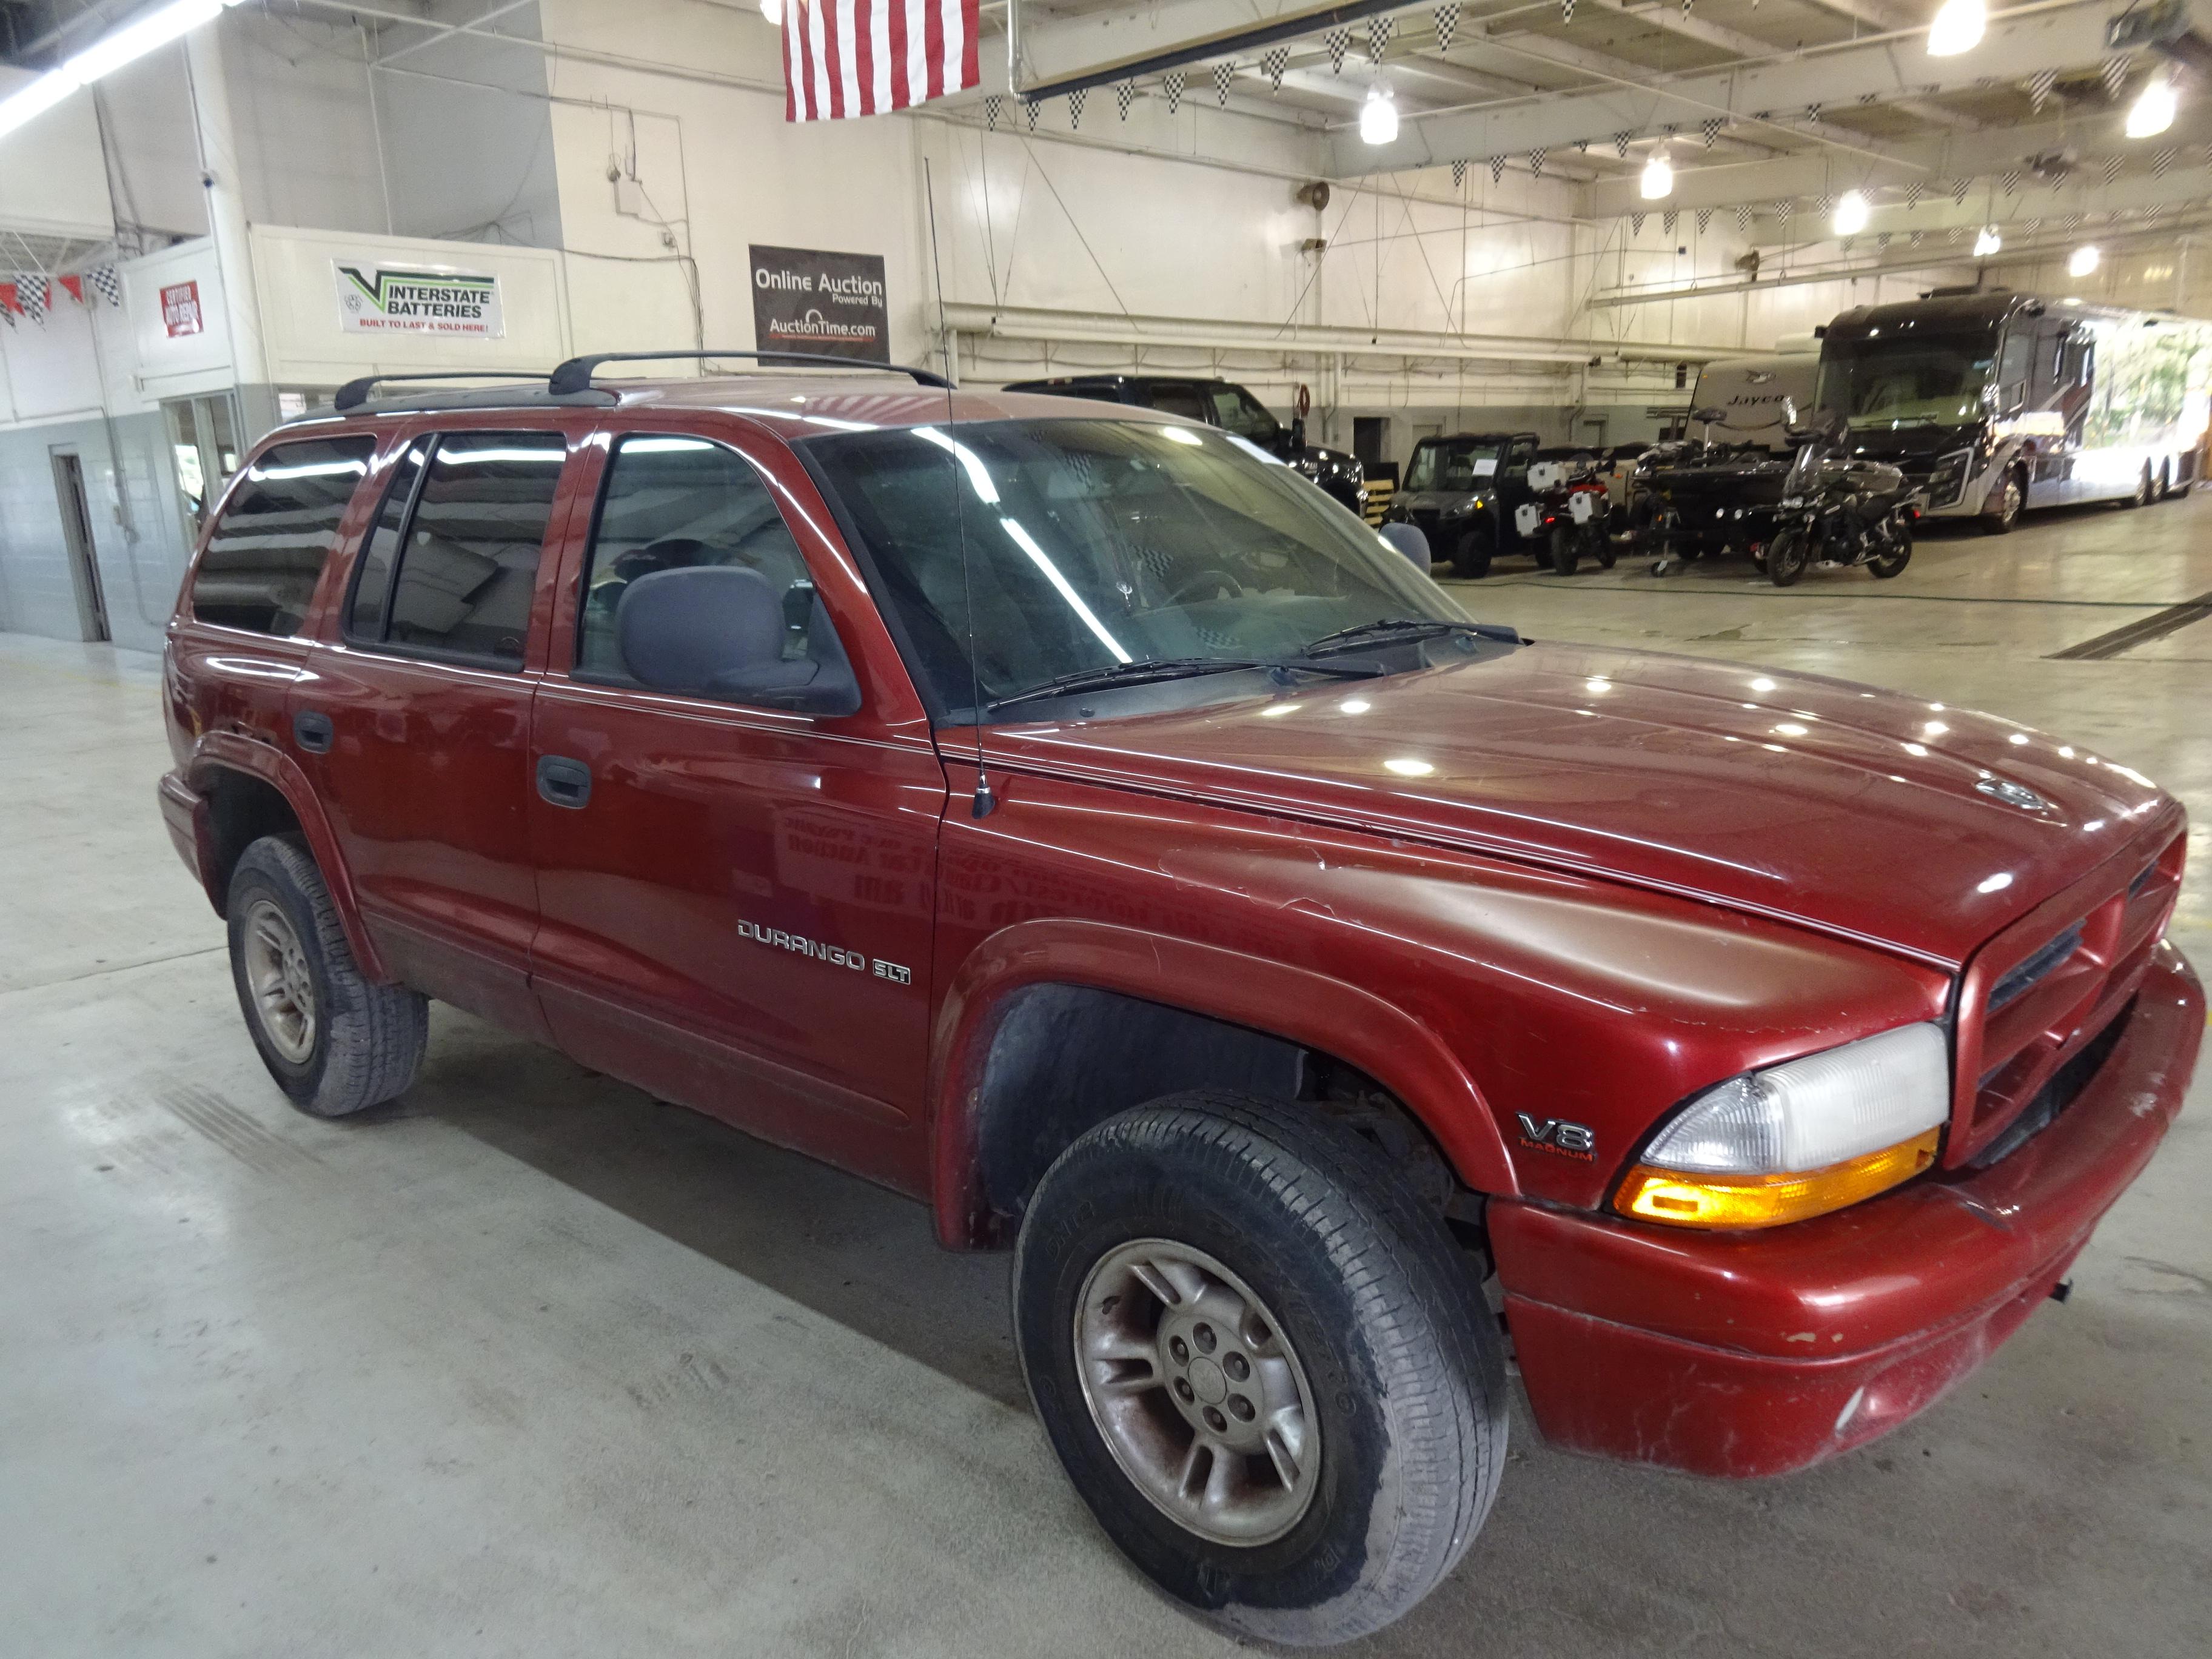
(719, 631)
(1408, 538)
(1710, 417)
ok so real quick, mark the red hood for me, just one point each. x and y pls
(1853, 810)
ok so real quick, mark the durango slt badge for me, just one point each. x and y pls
(837, 955)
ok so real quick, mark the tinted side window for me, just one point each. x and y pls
(471, 563)
(372, 582)
(670, 503)
(1183, 400)
(267, 552)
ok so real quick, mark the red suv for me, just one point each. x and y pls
(1071, 817)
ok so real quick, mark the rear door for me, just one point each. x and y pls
(736, 900)
(415, 718)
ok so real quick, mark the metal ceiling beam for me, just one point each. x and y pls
(1982, 155)
(1095, 50)
(2134, 193)
(2061, 34)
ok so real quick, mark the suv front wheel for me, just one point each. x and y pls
(1267, 1368)
(335, 1042)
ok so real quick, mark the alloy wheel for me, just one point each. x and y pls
(283, 984)
(1196, 1392)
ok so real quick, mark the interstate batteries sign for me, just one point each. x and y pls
(828, 304)
(417, 300)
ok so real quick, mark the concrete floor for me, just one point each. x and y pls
(530, 1365)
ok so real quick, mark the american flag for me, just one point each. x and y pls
(849, 57)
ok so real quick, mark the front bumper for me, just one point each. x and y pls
(1759, 1353)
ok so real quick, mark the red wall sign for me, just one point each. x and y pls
(180, 309)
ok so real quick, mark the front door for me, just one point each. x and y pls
(415, 721)
(735, 901)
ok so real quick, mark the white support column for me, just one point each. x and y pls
(226, 210)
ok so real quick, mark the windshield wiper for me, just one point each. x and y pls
(1147, 670)
(1395, 630)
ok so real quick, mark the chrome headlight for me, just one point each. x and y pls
(1800, 1138)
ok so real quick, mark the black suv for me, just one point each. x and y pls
(1461, 492)
(1229, 406)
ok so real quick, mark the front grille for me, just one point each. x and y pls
(2038, 997)
(2065, 1085)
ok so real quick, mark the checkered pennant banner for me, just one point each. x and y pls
(1711, 128)
(2114, 74)
(1824, 203)
(1171, 84)
(1913, 192)
(1670, 130)
(1336, 43)
(1636, 223)
(1914, 239)
(1459, 175)
(2072, 222)
(1075, 107)
(1881, 242)
(2031, 226)
(1124, 95)
(1742, 217)
(1272, 63)
(2039, 88)
(1705, 218)
(33, 294)
(2165, 159)
(1566, 12)
(2011, 181)
(1813, 114)
(1535, 163)
(1620, 144)
(1667, 220)
(2112, 165)
(1685, 8)
(993, 104)
(1868, 97)
(1582, 146)
(107, 282)
(1497, 168)
(1953, 233)
(1031, 109)
(1223, 74)
(1959, 189)
(1378, 36)
(2208, 158)
(1447, 26)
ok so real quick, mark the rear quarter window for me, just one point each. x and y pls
(280, 525)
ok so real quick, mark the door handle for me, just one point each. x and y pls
(563, 781)
(312, 731)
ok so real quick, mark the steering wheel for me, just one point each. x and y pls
(1225, 585)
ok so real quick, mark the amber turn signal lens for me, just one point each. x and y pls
(1768, 1201)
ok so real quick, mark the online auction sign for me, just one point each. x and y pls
(383, 299)
(828, 305)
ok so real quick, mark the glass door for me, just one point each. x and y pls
(203, 450)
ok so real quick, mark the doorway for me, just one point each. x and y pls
(76, 536)
(203, 447)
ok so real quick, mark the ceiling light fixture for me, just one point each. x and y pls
(1658, 176)
(2084, 261)
(1378, 117)
(1988, 242)
(2152, 112)
(1851, 213)
(1957, 28)
(149, 31)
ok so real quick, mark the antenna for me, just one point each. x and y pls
(984, 803)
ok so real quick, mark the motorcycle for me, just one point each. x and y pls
(1570, 512)
(1837, 512)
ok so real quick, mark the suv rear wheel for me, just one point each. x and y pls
(335, 1042)
(1266, 1366)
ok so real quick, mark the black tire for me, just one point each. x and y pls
(1787, 556)
(1473, 552)
(2143, 496)
(363, 1042)
(1563, 558)
(1405, 1366)
(1892, 563)
(2166, 492)
(1599, 544)
(2010, 499)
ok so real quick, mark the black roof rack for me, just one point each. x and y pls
(353, 393)
(575, 374)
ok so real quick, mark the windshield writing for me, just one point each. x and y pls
(1451, 464)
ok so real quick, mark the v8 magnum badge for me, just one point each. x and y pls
(1553, 1135)
(836, 955)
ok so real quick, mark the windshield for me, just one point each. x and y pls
(1094, 543)
(1876, 382)
(1453, 463)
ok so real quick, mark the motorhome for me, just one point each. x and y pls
(1993, 401)
(1758, 397)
